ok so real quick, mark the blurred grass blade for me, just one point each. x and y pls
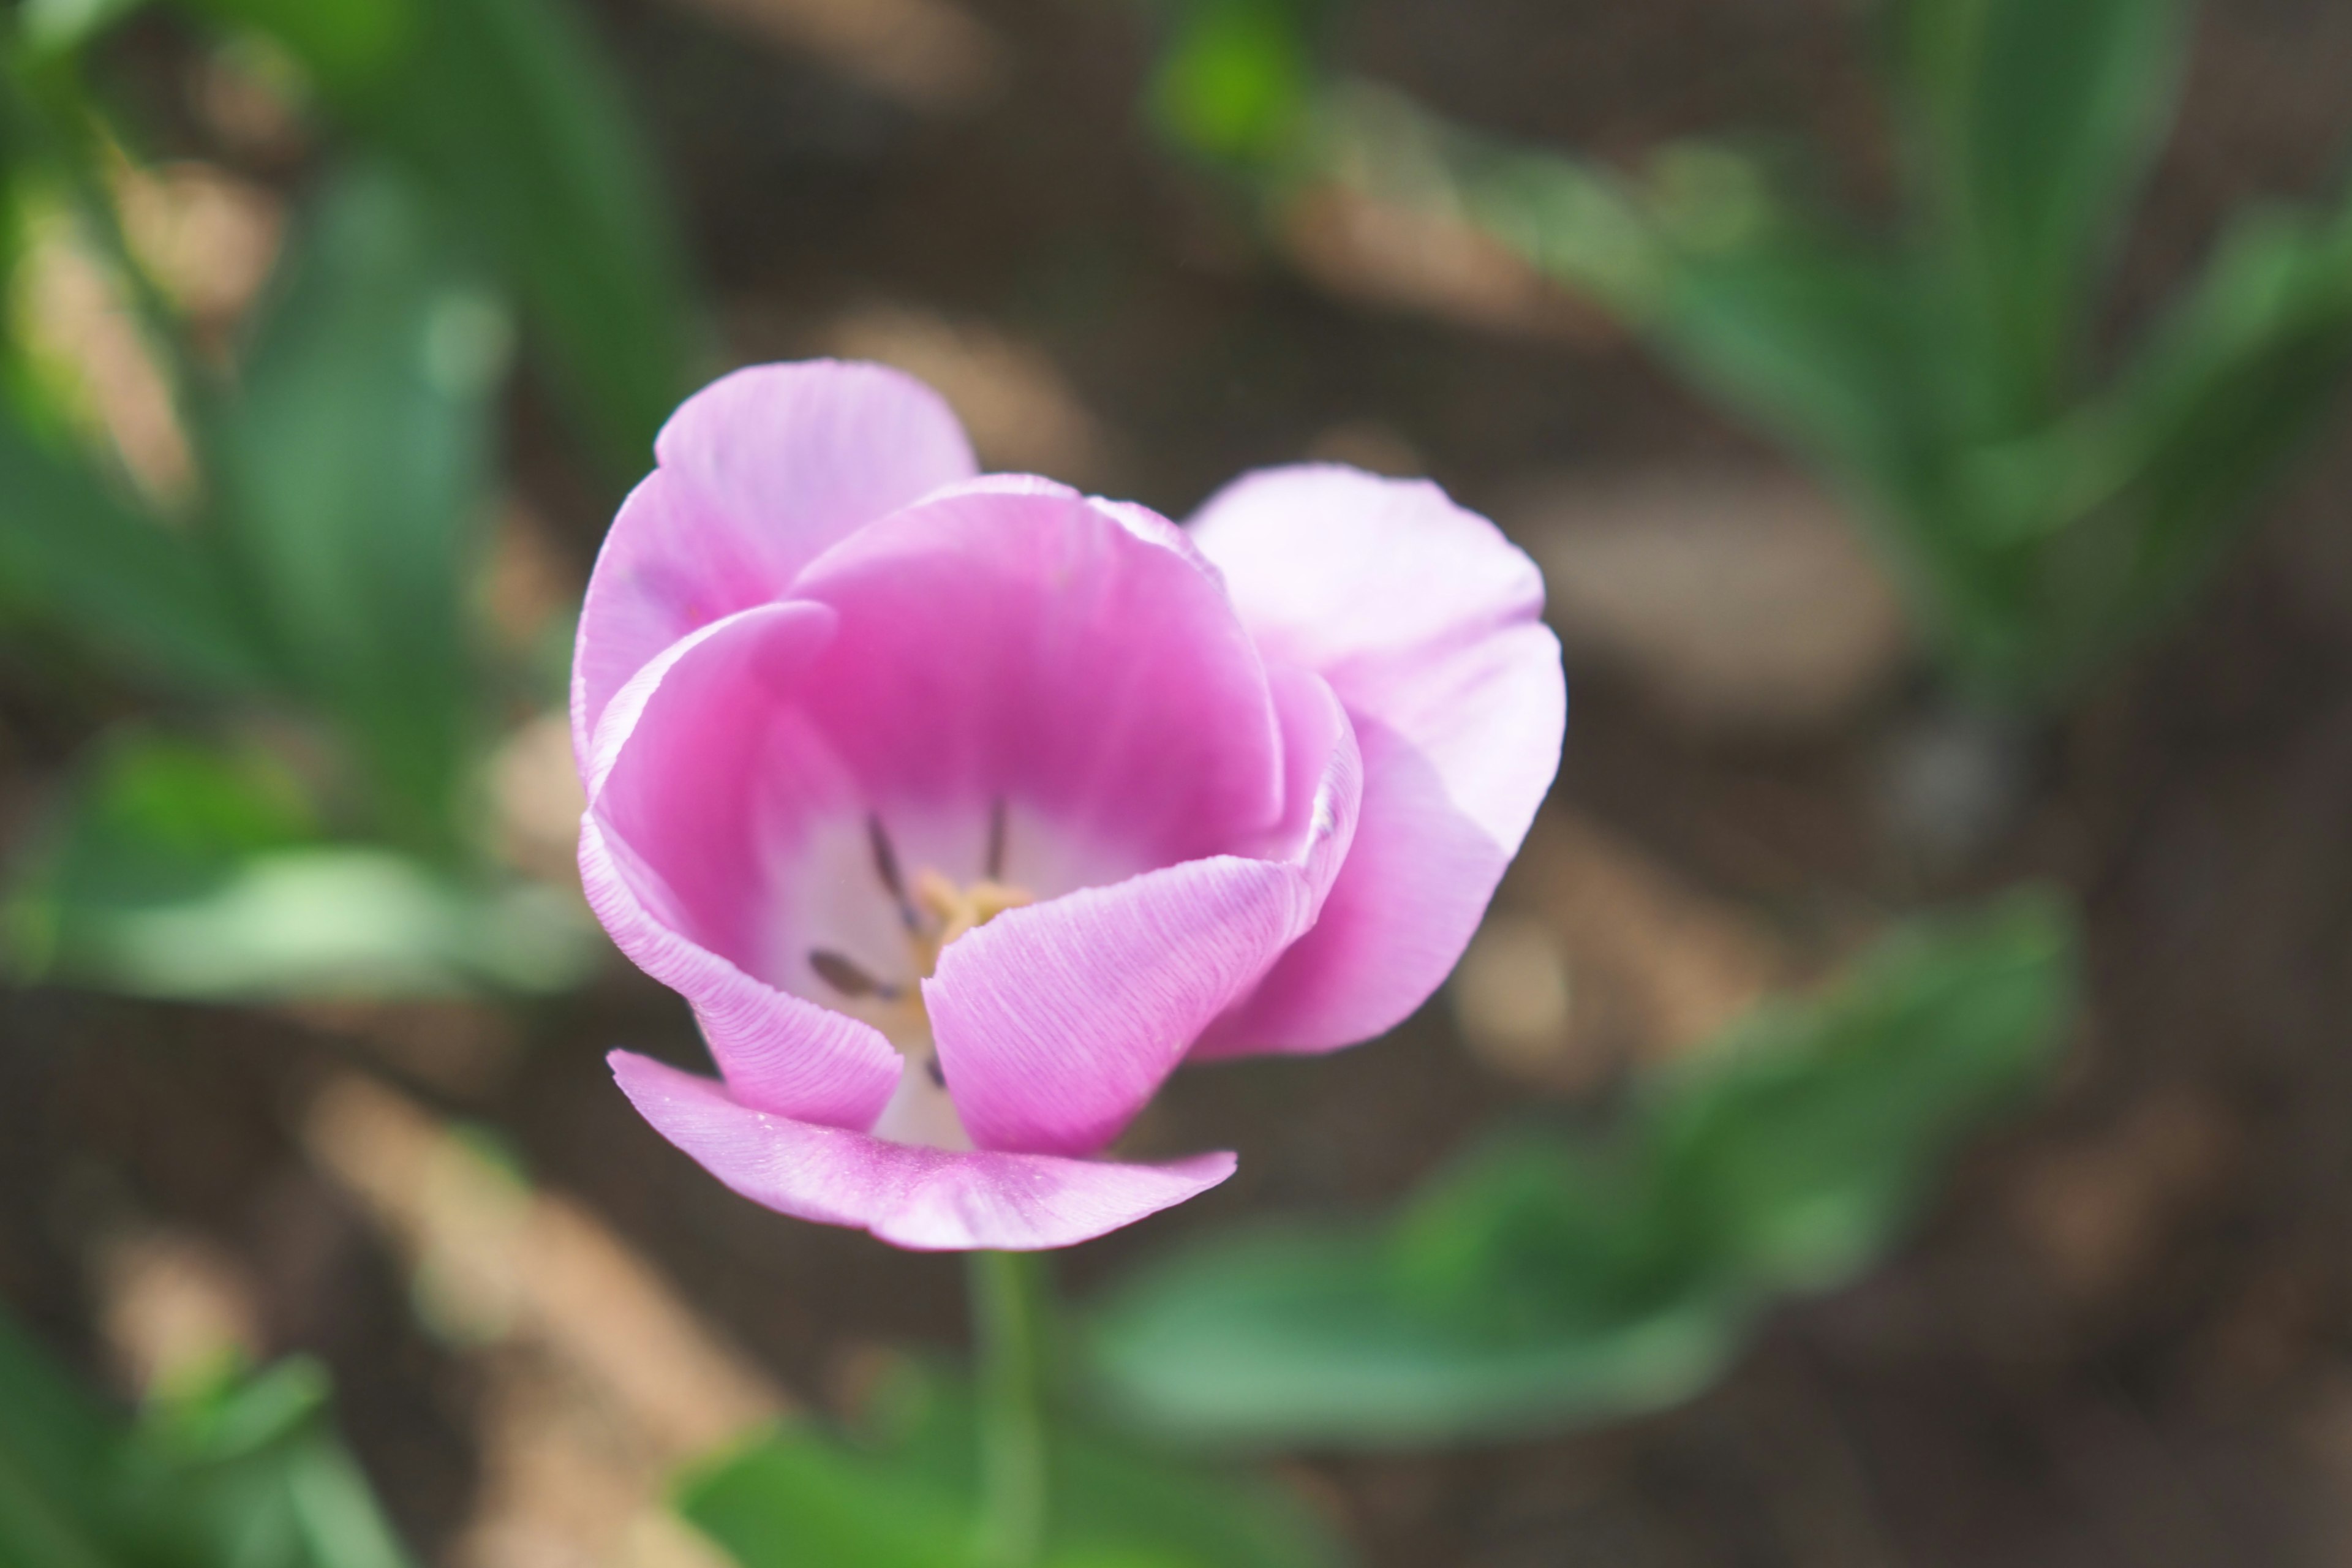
(907, 1496)
(507, 111)
(1814, 342)
(1800, 1146)
(358, 463)
(2036, 122)
(238, 1471)
(56, 1444)
(1550, 1281)
(2036, 525)
(125, 586)
(510, 111)
(183, 872)
(1812, 336)
(246, 1472)
(2231, 385)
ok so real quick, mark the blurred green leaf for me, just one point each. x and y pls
(332, 920)
(56, 1448)
(56, 28)
(1550, 1280)
(184, 872)
(1233, 79)
(2036, 123)
(2037, 523)
(907, 1496)
(1798, 1148)
(1298, 1334)
(358, 473)
(157, 812)
(246, 1471)
(509, 112)
(128, 587)
(236, 1471)
(352, 46)
(1813, 341)
(2162, 467)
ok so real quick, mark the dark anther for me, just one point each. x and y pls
(997, 841)
(938, 1074)
(844, 976)
(886, 866)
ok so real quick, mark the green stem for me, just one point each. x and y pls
(1010, 1308)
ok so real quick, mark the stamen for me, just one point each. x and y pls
(886, 866)
(996, 872)
(938, 1074)
(844, 975)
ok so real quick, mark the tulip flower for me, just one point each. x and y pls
(963, 809)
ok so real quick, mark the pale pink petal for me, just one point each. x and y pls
(669, 868)
(924, 1199)
(1323, 775)
(759, 473)
(1425, 619)
(1331, 566)
(1009, 639)
(1056, 1023)
(1004, 664)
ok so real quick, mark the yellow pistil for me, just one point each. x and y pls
(937, 912)
(955, 910)
(933, 910)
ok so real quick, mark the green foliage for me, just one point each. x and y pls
(234, 1471)
(1235, 78)
(2033, 126)
(510, 117)
(345, 464)
(149, 601)
(355, 474)
(2041, 515)
(1549, 1280)
(907, 1495)
(184, 871)
(54, 28)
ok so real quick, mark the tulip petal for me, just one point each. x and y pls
(1056, 1023)
(1323, 773)
(670, 869)
(1425, 620)
(923, 1199)
(1009, 639)
(758, 474)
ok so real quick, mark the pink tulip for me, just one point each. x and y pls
(962, 808)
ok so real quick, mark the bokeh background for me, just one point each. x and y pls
(2117, 1333)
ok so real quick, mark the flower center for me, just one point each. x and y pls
(933, 910)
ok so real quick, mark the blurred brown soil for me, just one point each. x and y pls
(2120, 1338)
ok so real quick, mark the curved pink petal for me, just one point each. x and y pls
(1425, 621)
(1004, 670)
(1011, 639)
(1323, 775)
(924, 1199)
(758, 473)
(669, 870)
(1056, 1023)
